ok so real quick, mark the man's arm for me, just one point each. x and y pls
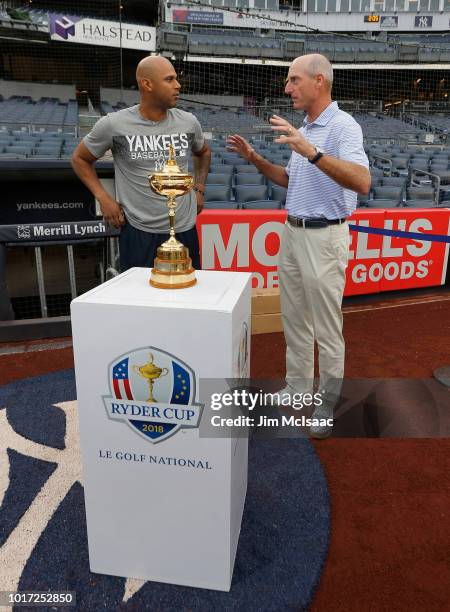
(347, 174)
(83, 164)
(202, 161)
(276, 174)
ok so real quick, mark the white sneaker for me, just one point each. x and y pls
(324, 426)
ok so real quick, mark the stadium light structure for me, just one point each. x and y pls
(23, 31)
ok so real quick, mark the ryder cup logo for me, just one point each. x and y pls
(152, 392)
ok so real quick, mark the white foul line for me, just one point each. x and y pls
(350, 309)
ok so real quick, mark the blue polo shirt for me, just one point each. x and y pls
(311, 193)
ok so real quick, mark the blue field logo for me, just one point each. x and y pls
(153, 392)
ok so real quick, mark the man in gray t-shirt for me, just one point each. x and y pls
(139, 138)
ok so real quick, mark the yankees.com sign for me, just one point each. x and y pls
(249, 241)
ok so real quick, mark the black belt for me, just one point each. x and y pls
(309, 222)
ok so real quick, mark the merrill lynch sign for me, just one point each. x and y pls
(70, 28)
(36, 232)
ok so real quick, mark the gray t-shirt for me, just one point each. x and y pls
(141, 147)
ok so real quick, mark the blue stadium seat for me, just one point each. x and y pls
(249, 179)
(231, 159)
(215, 178)
(400, 164)
(278, 193)
(444, 176)
(261, 205)
(221, 169)
(382, 204)
(420, 193)
(376, 181)
(362, 199)
(374, 171)
(247, 193)
(420, 204)
(393, 181)
(19, 150)
(419, 164)
(247, 169)
(217, 193)
(388, 193)
(221, 205)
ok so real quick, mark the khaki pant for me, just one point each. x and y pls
(311, 270)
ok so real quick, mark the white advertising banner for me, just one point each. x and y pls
(301, 22)
(234, 19)
(163, 502)
(87, 31)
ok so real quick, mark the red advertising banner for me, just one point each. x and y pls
(249, 241)
(411, 263)
(364, 253)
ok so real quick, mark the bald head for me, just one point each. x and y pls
(309, 82)
(314, 64)
(158, 85)
(152, 68)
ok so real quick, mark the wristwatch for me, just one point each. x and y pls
(319, 153)
(199, 189)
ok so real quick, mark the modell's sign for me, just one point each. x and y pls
(393, 260)
(383, 256)
(83, 30)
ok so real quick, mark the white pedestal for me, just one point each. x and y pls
(162, 503)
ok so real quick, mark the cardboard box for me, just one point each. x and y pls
(265, 301)
(266, 323)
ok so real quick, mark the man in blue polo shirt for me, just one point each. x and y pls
(327, 168)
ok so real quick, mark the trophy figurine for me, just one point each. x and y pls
(151, 372)
(173, 266)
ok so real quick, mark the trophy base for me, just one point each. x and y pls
(173, 267)
(170, 280)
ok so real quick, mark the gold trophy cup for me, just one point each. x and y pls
(151, 372)
(173, 266)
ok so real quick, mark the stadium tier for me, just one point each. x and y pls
(47, 113)
(400, 177)
(425, 169)
(283, 46)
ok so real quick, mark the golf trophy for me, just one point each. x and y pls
(173, 266)
(151, 372)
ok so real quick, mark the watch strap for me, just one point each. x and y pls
(316, 157)
(198, 189)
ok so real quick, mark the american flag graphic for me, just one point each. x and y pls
(121, 382)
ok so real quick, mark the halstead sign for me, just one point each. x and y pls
(81, 30)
